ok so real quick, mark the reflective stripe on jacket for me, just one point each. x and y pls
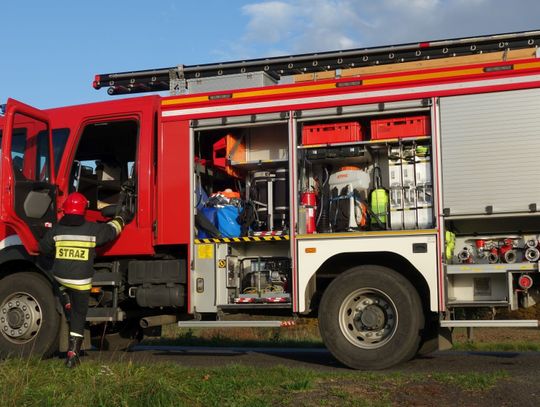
(74, 250)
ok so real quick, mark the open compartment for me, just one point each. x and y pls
(242, 212)
(242, 180)
(365, 171)
(492, 260)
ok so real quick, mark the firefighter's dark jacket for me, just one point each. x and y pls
(73, 242)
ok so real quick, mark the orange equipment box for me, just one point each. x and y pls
(401, 127)
(223, 148)
(332, 133)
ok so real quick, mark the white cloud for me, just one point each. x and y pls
(412, 5)
(270, 21)
(297, 26)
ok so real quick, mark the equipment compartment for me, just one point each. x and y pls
(243, 188)
(242, 203)
(365, 185)
(488, 263)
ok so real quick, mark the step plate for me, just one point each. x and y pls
(511, 323)
(234, 324)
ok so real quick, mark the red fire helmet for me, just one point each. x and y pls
(75, 204)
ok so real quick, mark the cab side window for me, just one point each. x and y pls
(104, 161)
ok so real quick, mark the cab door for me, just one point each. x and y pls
(27, 200)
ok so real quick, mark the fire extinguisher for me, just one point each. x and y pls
(308, 208)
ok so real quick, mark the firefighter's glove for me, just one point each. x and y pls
(126, 216)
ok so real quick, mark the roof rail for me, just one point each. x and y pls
(174, 78)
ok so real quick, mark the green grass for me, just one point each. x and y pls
(48, 383)
(472, 381)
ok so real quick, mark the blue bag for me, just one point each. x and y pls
(211, 214)
(227, 221)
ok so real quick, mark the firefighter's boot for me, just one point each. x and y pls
(74, 349)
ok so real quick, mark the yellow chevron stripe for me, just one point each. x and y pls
(243, 239)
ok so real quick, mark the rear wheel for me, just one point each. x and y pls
(29, 321)
(370, 318)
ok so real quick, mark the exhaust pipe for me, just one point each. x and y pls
(157, 320)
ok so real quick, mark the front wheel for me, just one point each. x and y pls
(370, 317)
(29, 322)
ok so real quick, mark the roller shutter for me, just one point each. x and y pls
(490, 152)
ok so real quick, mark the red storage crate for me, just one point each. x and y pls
(401, 127)
(332, 133)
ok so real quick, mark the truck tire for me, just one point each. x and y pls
(370, 317)
(29, 321)
(121, 336)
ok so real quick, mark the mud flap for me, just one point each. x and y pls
(445, 339)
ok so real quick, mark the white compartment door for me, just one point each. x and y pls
(491, 152)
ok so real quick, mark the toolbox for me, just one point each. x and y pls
(402, 127)
(332, 133)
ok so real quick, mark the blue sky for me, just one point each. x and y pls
(51, 50)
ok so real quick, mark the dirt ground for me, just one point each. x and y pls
(499, 335)
(419, 381)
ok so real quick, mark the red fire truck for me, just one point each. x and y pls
(388, 191)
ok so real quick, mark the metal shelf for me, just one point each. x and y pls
(250, 305)
(259, 164)
(475, 303)
(369, 143)
(499, 268)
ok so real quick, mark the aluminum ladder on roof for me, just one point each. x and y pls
(173, 78)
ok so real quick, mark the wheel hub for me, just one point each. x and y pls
(373, 317)
(20, 317)
(15, 318)
(368, 318)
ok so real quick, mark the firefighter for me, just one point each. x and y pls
(72, 241)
